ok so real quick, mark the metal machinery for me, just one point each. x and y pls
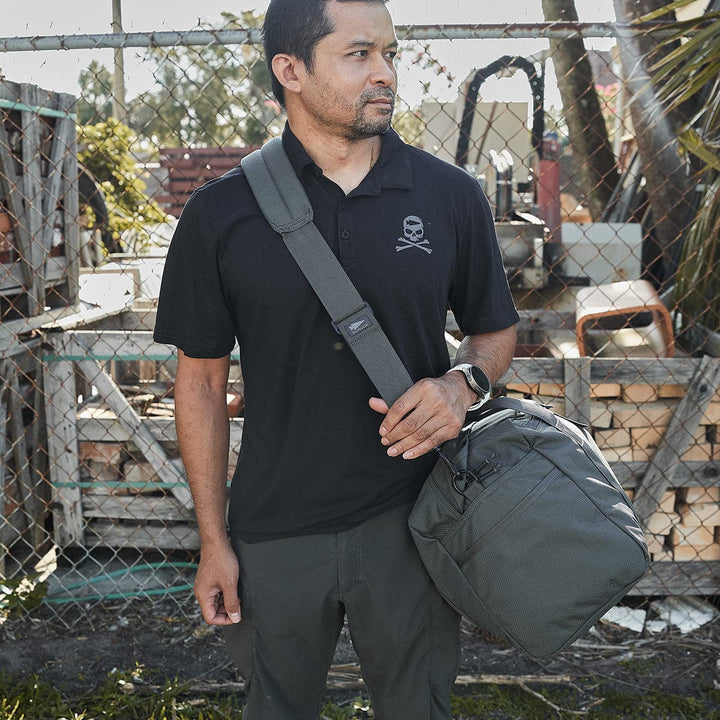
(525, 239)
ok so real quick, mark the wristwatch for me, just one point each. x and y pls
(477, 380)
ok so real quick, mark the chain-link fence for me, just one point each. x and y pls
(607, 226)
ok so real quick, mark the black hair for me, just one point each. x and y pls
(295, 27)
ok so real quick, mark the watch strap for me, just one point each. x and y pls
(482, 395)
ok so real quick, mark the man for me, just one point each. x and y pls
(327, 473)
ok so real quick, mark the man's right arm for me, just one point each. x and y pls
(203, 432)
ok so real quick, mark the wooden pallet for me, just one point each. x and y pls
(39, 190)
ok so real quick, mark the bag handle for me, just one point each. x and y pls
(285, 205)
(530, 407)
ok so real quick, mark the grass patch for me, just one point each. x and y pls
(513, 703)
(123, 696)
(129, 696)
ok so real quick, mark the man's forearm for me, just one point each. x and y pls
(203, 431)
(493, 352)
(433, 410)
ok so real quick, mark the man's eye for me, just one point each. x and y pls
(360, 53)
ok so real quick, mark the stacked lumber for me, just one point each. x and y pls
(697, 535)
(629, 423)
(125, 501)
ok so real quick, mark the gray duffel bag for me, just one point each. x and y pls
(524, 528)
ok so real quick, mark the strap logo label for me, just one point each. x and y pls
(358, 326)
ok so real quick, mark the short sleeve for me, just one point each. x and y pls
(192, 312)
(480, 297)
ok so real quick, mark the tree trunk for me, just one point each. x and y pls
(656, 132)
(592, 151)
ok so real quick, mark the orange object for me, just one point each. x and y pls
(618, 305)
(235, 404)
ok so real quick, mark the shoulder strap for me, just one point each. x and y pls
(286, 207)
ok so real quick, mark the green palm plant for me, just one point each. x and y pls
(690, 75)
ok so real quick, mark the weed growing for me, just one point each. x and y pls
(129, 696)
(121, 697)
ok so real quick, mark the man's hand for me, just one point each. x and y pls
(216, 584)
(429, 413)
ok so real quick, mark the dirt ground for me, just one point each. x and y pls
(158, 637)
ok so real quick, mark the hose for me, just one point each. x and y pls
(55, 600)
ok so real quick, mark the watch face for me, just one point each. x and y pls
(480, 378)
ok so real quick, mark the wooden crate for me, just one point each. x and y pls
(39, 257)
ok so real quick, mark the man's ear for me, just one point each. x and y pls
(288, 70)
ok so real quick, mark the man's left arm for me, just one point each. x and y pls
(433, 410)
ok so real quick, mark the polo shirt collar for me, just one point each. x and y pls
(392, 169)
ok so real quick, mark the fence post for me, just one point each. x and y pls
(577, 388)
(61, 414)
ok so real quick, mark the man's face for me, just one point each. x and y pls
(351, 88)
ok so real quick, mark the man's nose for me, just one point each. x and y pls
(383, 72)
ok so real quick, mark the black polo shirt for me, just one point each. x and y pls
(416, 236)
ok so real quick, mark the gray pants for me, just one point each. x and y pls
(295, 593)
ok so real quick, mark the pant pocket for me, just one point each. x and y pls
(239, 636)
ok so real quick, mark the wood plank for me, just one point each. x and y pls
(680, 578)
(51, 195)
(122, 345)
(170, 471)
(139, 344)
(137, 319)
(32, 192)
(55, 319)
(13, 282)
(677, 439)
(177, 537)
(534, 370)
(11, 184)
(687, 474)
(660, 371)
(577, 389)
(16, 432)
(38, 458)
(3, 448)
(71, 204)
(118, 345)
(11, 330)
(109, 429)
(135, 507)
(60, 411)
(657, 371)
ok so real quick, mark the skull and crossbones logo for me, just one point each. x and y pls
(414, 231)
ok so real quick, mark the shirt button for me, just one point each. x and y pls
(345, 234)
(343, 205)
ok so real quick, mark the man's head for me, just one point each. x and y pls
(295, 27)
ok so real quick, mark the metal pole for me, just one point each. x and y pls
(558, 31)
(118, 84)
